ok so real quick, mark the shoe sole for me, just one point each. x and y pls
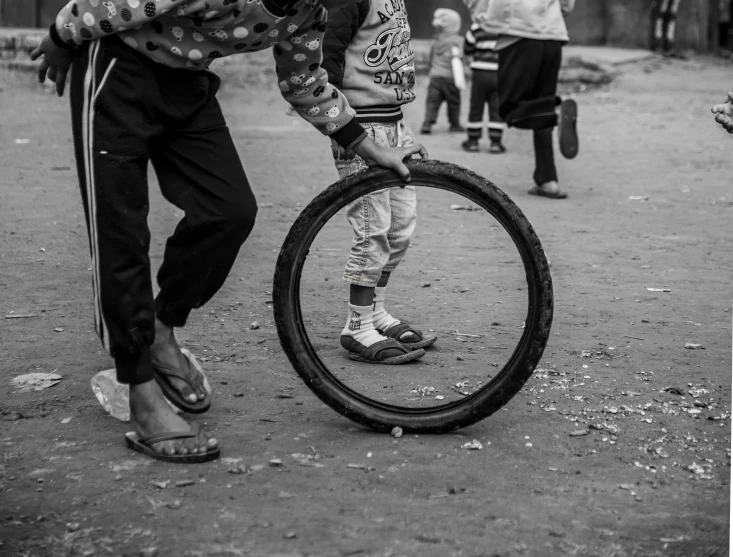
(418, 345)
(394, 361)
(569, 129)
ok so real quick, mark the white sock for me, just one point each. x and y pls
(382, 319)
(360, 325)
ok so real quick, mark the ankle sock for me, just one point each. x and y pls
(360, 325)
(382, 319)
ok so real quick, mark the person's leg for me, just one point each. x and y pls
(670, 26)
(199, 171)
(432, 105)
(476, 110)
(111, 134)
(545, 175)
(544, 157)
(496, 125)
(453, 100)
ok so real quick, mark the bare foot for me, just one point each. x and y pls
(150, 415)
(550, 187)
(166, 353)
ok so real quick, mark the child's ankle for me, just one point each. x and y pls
(360, 325)
(382, 319)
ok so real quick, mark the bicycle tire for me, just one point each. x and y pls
(382, 416)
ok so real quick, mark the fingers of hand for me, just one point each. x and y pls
(60, 82)
(730, 95)
(42, 70)
(423, 153)
(36, 53)
(52, 74)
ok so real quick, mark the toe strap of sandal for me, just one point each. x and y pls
(374, 351)
(168, 436)
(396, 331)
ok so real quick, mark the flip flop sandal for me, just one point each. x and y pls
(371, 354)
(568, 129)
(551, 194)
(161, 374)
(396, 332)
(143, 445)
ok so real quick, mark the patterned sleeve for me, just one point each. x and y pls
(304, 83)
(84, 20)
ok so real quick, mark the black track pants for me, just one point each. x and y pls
(528, 72)
(128, 111)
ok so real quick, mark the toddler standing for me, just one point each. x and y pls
(368, 55)
(446, 71)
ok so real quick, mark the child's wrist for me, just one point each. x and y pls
(53, 32)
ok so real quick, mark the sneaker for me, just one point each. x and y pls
(425, 130)
(470, 145)
(496, 148)
(568, 129)
(457, 129)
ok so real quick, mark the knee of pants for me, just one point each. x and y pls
(239, 218)
(403, 230)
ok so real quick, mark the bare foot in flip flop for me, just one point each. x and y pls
(173, 367)
(152, 418)
(548, 189)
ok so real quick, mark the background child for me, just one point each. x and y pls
(141, 93)
(480, 45)
(530, 54)
(377, 77)
(445, 81)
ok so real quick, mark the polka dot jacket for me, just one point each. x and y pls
(192, 33)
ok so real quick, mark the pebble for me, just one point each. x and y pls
(579, 433)
(149, 552)
(184, 483)
(291, 535)
(396, 432)
(73, 526)
(276, 462)
(59, 329)
(254, 326)
(175, 505)
(238, 469)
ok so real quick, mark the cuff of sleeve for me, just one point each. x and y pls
(351, 134)
(56, 38)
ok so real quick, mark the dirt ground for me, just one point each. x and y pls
(650, 207)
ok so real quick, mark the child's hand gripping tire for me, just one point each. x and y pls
(373, 413)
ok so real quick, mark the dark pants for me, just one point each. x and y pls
(528, 71)
(664, 23)
(443, 89)
(128, 111)
(484, 91)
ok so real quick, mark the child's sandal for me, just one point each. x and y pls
(397, 331)
(376, 353)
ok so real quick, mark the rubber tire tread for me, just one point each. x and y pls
(374, 414)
